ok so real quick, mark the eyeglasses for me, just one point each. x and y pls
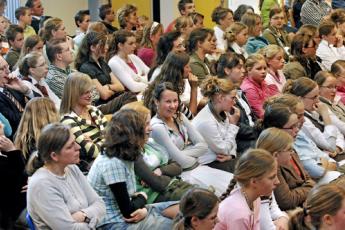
(294, 126)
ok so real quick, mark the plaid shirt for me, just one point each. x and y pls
(56, 79)
(104, 172)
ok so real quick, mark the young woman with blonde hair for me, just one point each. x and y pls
(255, 41)
(254, 85)
(236, 36)
(86, 121)
(185, 25)
(324, 209)
(255, 175)
(38, 112)
(295, 183)
(274, 56)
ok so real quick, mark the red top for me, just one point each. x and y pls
(257, 94)
(146, 55)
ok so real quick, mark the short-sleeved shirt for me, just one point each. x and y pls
(104, 172)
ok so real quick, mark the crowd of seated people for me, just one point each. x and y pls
(240, 126)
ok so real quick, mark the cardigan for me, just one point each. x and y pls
(219, 135)
(293, 188)
(184, 146)
(133, 82)
(82, 128)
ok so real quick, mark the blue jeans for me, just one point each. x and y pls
(154, 219)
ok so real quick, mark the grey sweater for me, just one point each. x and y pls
(52, 199)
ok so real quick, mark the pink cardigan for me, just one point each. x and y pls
(257, 94)
(234, 213)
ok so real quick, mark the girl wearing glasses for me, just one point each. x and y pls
(286, 112)
(318, 125)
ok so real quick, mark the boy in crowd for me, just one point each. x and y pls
(15, 37)
(23, 15)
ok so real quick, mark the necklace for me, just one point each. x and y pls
(247, 200)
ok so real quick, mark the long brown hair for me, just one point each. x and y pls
(38, 112)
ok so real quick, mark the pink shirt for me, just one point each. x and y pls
(234, 213)
(257, 94)
(146, 55)
(341, 93)
(171, 27)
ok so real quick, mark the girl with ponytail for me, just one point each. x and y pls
(255, 175)
(198, 210)
(324, 209)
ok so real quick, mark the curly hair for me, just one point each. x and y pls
(125, 135)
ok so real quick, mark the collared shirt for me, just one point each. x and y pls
(56, 78)
(313, 11)
(329, 54)
(104, 172)
(239, 50)
(31, 84)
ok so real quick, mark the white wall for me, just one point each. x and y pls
(64, 9)
(169, 11)
(233, 4)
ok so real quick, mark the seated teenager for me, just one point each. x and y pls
(295, 183)
(236, 37)
(38, 112)
(113, 178)
(201, 42)
(184, 144)
(255, 174)
(148, 45)
(217, 123)
(274, 56)
(275, 33)
(86, 121)
(280, 114)
(198, 210)
(338, 70)
(156, 175)
(34, 69)
(129, 68)
(176, 70)
(59, 196)
(304, 62)
(255, 40)
(231, 67)
(331, 47)
(327, 84)
(254, 85)
(90, 60)
(318, 125)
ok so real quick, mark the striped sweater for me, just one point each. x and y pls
(84, 129)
